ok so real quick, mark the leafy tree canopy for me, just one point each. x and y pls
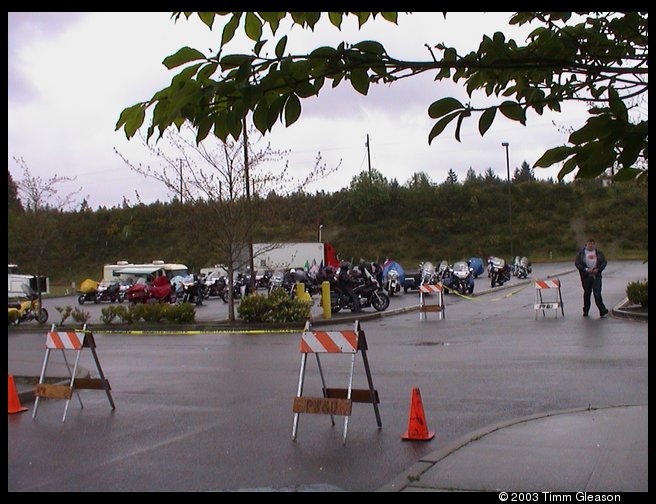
(598, 58)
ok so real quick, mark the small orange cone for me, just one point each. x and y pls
(14, 401)
(417, 429)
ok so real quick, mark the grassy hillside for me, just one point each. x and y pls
(429, 222)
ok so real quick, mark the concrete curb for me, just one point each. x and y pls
(415, 471)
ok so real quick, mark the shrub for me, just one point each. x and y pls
(108, 314)
(277, 307)
(183, 313)
(637, 293)
(65, 312)
(80, 316)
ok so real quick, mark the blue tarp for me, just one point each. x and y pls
(389, 264)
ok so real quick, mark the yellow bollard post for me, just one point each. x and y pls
(301, 292)
(325, 299)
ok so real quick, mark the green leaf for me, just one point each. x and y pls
(324, 52)
(335, 18)
(292, 110)
(203, 128)
(626, 174)
(207, 18)
(128, 114)
(360, 80)
(568, 166)
(280, 47)
(486, 120)
(233, 121)
(134, 123)
(305, 89)
(206, 72)
(221, 127)
(617, 105)
(443, 106)
(370, 46)
(184, 55)
(260, 115)
(253, 26)
(554, 155)
(258, 47)
(274, 110)
(229, 28)
(390, 16)
(463, 114)
(512, 110)
(440, 125)
(594, 128)
(234, 60)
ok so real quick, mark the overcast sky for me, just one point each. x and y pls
(71, 74)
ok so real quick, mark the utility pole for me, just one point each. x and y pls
(248, 203)
(506, 145)
(180, 180)
(368, 157)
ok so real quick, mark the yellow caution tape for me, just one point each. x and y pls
(205, 331)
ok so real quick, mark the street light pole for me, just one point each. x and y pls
(506, 145)
(320, 227)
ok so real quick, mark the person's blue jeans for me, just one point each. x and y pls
(592, 286)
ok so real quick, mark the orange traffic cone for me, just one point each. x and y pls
(14, 401)
(417, 429)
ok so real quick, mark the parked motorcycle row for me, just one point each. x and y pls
(351, 287)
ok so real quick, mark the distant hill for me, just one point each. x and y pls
(430, 222)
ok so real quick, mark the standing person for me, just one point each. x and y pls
(590, 262)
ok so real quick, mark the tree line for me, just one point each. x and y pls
(372, 219)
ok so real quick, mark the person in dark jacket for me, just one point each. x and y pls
(590, 262)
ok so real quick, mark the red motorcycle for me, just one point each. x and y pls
(160, 291)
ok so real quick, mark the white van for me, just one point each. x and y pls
(124, 270)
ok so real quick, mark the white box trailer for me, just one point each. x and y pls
(16, 281)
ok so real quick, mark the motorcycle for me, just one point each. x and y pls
(444, 276)
(188, 289)
(160, 291)
(522, 267)
(240, 284)
(498, 271)
(392, 282)
(428, 273)
(108, 292)
(27, 309)
(368, 291)
(87, 292)
(463, 278)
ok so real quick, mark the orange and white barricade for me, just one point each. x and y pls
(426, 290)
(70, 341)
(335, 401)
(542, 304)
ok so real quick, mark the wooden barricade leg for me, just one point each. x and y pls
(372, 391)
(299, 393)
(323, 384)
(348, 396)
(41, 378)
(72, 383)
(91, 342)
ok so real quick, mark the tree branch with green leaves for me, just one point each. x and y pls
(596, 58)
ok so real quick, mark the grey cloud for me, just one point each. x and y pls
(24, 28)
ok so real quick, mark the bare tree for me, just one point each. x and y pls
(213, 178)
(40, 199)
